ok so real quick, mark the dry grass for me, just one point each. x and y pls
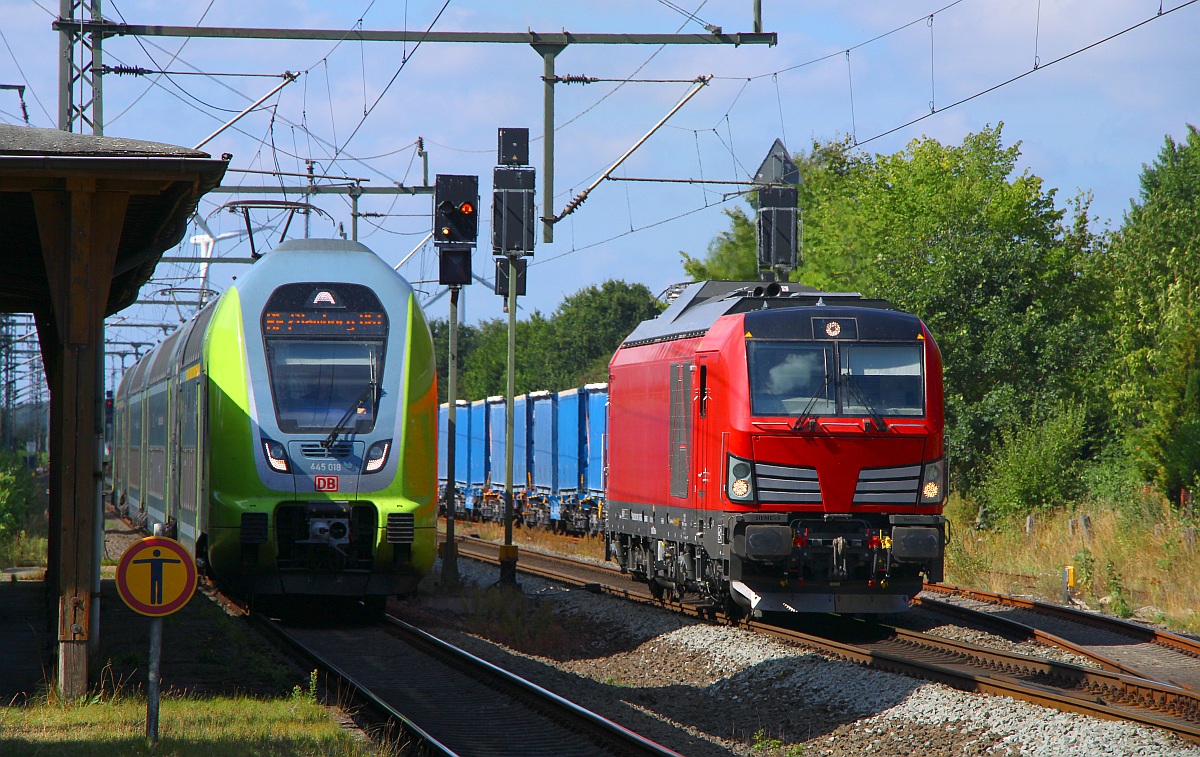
(1136, 559)
(584, 547)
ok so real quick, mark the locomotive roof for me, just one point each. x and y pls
(701, 303)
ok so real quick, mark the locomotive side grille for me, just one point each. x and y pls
(254, 528)
(317, 451)
(401, 528)
(889, 486)
(786, 483)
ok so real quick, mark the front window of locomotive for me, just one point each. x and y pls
(791, 378)
(807, 379)
(883, 379)
(316, 382)
(325, 349)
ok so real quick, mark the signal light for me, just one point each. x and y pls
(455, 209)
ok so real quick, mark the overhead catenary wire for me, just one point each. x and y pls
(701, 82)
(1022, 75)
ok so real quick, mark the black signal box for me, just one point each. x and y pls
(455, 209)
(513, 147)
(454, 265)
(514, 216)
(502, 276)
(777, 228)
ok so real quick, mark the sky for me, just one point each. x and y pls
(1085, 123)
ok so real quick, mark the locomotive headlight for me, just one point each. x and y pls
(933, 483)
(740, 481)
(276, 456)
(377, 456)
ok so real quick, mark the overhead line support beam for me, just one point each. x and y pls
(547, 45)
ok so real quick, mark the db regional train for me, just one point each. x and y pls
(286, 433)
(763, 448)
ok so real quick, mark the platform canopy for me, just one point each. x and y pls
(84, 221)
(161, 184)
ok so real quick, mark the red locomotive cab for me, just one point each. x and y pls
(778, 453)
(836, 411)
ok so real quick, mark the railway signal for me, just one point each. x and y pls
(777, 229)
(456, 209)
(513, 213)
(513, 218)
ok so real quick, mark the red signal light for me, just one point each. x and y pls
(466, 208)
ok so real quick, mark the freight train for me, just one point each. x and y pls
(764, 448)
(286, 433)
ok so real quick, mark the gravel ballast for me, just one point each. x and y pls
(705, 689)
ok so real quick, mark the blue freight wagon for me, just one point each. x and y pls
(479, 469)
(542, 502)
(580, 460)
(462, 452)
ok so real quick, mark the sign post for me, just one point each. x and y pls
(156, 577)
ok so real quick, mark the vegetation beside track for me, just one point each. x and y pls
(110, 725)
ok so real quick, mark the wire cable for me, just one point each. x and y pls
(1022, 75)
(25, 78)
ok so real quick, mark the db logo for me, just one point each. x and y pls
(325, 483)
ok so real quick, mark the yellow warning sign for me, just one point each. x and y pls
(156, 576)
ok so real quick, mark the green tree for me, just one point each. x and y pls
(486, 373)
(468, 342)
(731, 256)
(956, 235)
(17, 494)
(1154, 268)
(589, 325)
(570, 348)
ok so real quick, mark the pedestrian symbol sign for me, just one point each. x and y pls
(156, 576)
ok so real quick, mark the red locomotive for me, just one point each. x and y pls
(773, 448)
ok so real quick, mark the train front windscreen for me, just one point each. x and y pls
(830, 379)
(325, 346)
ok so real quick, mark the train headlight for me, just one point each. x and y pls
(377, 456)
(276, 456)
(933, 483)
(740, 481)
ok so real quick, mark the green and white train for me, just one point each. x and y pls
(287, 433)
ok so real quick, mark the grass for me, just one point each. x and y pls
(23, 549)
(1136, 559)
(591, 547)
(298, 725)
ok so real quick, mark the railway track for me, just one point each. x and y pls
(1121, 645)
(449, 702)
(1108, 693)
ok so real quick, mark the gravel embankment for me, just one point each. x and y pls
(712, 690)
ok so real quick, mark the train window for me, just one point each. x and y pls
(791, 378)
(316, 382)
(882, 378)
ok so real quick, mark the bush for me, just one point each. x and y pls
(1036, 466)
(18, 491)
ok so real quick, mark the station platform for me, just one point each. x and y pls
(26, 654)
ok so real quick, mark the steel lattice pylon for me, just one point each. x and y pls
(81, 60)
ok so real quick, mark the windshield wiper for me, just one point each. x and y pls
(857, 393)
(368, 391)
(811, 402)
